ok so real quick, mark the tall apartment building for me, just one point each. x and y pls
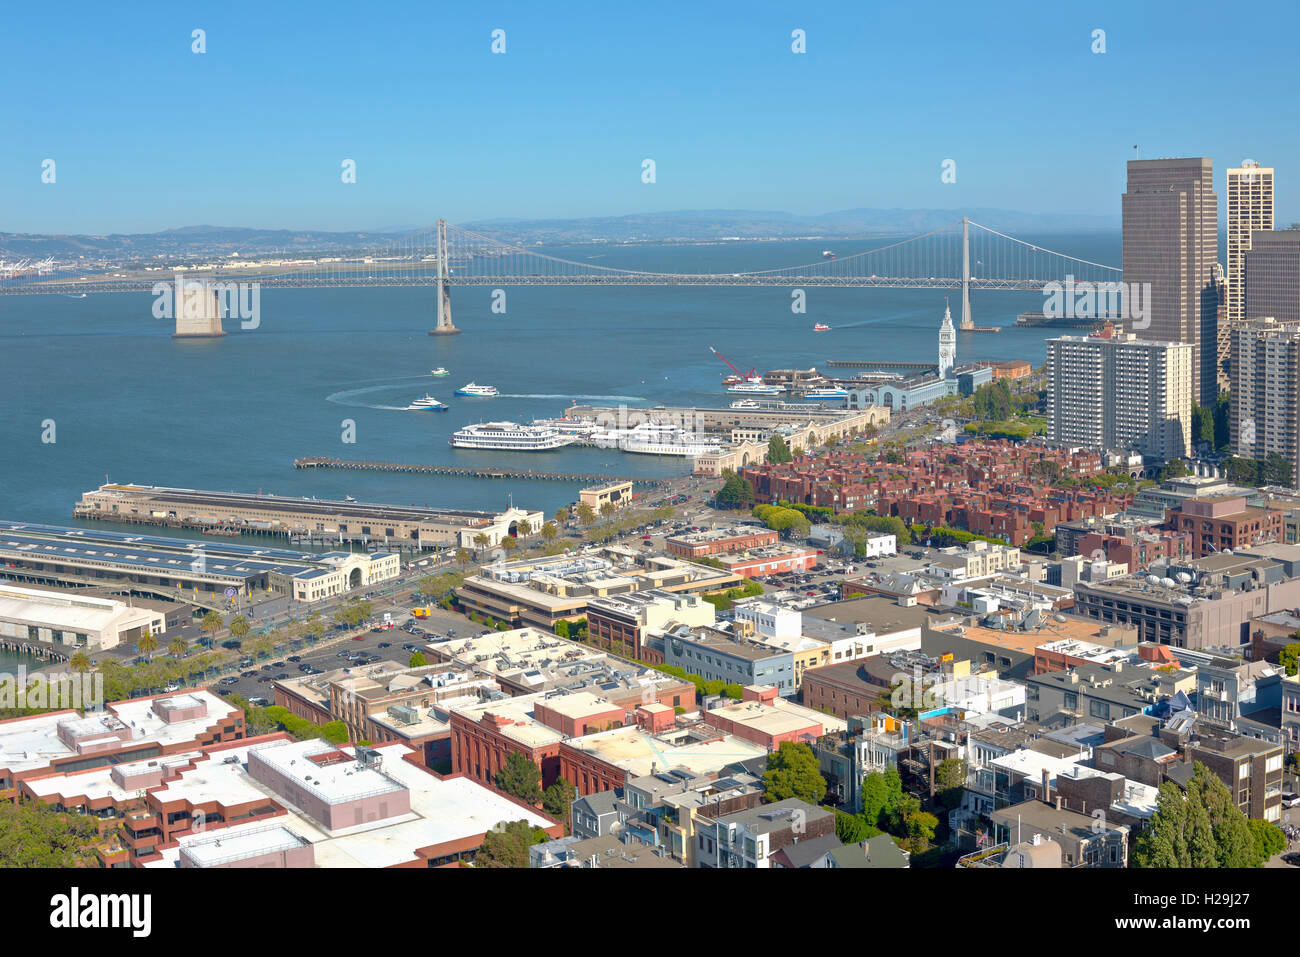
(1265, 363)
(1114, 391)
(1250, 209)
(1273, 275)
(1171, 222)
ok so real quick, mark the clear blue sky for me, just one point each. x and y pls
(148, 135)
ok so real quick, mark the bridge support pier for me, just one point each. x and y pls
(444, 326)
(198, 310)
(967, 322)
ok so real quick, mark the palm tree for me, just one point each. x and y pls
(481, 540)
(80, 662)
(146, 643)
(178, 646)
(212, 622)
(509, 544)
(549, 531)
(607, 509)
(524, 528)
(561, 516)
(239, 626)
(463, 556)
(586, 513)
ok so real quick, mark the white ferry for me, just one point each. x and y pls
(440, 371)
(827, 393)
(509, 437)
(426, 404)
(756, 388)
(478, 391)
(682, 443)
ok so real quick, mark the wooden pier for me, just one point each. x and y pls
(482, 472)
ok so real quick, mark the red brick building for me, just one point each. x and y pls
(720, 541)
(1218, 522)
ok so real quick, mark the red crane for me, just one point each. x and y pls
(750, 376)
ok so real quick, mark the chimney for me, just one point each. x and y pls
(1047, 787)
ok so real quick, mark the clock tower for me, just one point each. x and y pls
(947, 343)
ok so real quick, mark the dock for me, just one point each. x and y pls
(481, 472)
(877, 364)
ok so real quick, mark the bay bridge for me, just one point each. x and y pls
(963, 255)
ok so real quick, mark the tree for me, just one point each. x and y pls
(778, 451)
(239, 626)
(736, 493)
(561, 516)
(33, 834)
(524, 528)
(212, 623)
(463, 557)
(950, 779)
(519, 777)
(178, 646)
(920, 831)
(506, 845)
(418, 660)
(1268, 837)
(1202, 425)
(792, 772)
(1275, 470)
(882, 792)
(146, 643)
(852, 829)
(335, 732)
(557, 798)
(509, 544)
(1222, 423)
(549, 531)
(481, 540)
(1289, 657)
(1175, 468)
(607, 509)
(586, 514)
(79, 662)
(1201, 827)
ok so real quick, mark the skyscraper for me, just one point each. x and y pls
(1171, 222)
(1273, 276)
(1250, 208)
(1114, 391)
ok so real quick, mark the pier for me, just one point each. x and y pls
(482, 472)
(876, 364)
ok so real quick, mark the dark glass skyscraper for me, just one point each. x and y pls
(1171, 240)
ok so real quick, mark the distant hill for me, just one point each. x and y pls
(197, 242)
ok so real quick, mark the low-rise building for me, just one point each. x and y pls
(750, 838)
(70, 621)
(720, 541)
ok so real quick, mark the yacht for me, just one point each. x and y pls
(440, 371)
(426, 404)
(821, 327)
(756, 388)
(510, 437)
(478, 391)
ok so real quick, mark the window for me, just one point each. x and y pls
(1099, 709)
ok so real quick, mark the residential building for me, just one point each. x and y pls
(620, 623)
(716, 655)
(749, 839)
(1084, 841)
(1265, 363)
(1220, 523)
(1249, 210)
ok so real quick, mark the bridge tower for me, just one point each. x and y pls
(444, 326)
(967, 322)
(198, 310)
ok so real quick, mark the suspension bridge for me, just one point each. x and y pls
(963, 255)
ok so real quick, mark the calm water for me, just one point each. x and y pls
(129, 401)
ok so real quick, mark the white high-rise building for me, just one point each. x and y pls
(947, 343)
(1112, 390)
(1250, 208)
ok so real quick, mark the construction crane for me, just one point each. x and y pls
(750, 376)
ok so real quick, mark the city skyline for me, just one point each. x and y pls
(253, 130)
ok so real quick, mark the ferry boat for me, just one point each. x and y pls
(756, 388)
(827, 254)
(827, 393)
(509, 437)
(478, 391)
(821, 328)
(745, 404)
(426, 404)
(440, 371)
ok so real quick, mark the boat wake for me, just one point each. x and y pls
(352, 397)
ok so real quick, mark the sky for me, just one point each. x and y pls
(146, 134)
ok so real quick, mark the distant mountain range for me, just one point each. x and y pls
(197, 242)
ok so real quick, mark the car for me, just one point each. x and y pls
(264, 678)
(172, 688)
(385, 644)
(277, 664)
(294, 658)
(410, 646)
(225, 691)
(343, 654)
(358, 637)
(1293, 858)
(1290, 799)
(282, 675)
(248, 674)
(258, 702)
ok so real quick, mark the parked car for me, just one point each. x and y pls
(294, 658)
(385, 644)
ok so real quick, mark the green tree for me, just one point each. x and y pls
(607, 509)
(1289, 657)
(463, 557)
(778, 451)
(79, 662)
(1175, 468)
(524, 528)
(33, 834)
(1201, 827)
(586, 514)
(521, 778)
(920, 826)
(793, 772)
(178, 646)
(418, 660)
(239, 626)
(212, 623)
(950, 781)
(557, 799)
(1268, 837)
(1202, 425)
(882, 793)
(853, 829)
(481, 540)
(1222, 423)
(146, 643)
(1275, 470)
(561, 516)
(507, 844)
(549, 531)
(335, 732)
(736, 493)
